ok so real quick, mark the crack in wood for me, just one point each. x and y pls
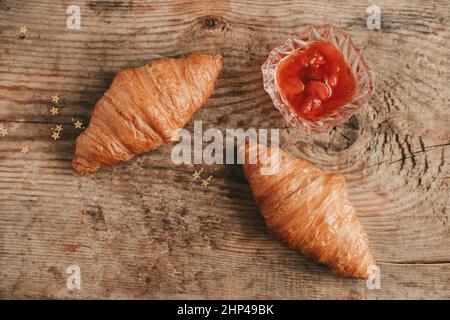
(422, 144)
(408, 146)
(415, 152)
(402, 150)
(441, 164)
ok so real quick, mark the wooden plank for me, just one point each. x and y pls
(145, 229)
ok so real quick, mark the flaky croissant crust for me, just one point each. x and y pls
(144, 107)
(310, 211)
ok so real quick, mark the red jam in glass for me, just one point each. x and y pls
(315, 81)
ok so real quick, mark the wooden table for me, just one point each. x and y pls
(145, 229)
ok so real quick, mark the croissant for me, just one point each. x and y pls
(143, 108)
(309, 210)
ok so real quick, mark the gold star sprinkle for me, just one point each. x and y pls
(209, 178)
(78, 124)
(54, 110)
(55, 99)
(55, 135)
(25, 149)
(23, 30)
(196, 174)
(58, 128)
(205, 183)
(3, 130)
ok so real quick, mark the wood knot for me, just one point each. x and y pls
(5, 5)
(341, 137)
(209, 22)
(213, 23)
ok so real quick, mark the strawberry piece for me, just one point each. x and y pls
(316, 60)
(310, 105)
(292, 87)
(331, 80)
(318, 89)
(315, 74)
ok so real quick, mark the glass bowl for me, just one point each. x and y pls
(361, 71)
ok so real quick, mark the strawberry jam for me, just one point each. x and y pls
(315, 81)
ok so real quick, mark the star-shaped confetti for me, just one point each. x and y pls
(78, 124)
(54, 110)
(205, 182)
(55, 135)
(25, 149)
(58, 128)
(55, 99)
(3, 130)
(209, 178)
(196, 174)
(23, 30)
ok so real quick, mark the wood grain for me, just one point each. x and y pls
(145, 229)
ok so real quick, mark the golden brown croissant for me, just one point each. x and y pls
(144, 107)
(310, 211)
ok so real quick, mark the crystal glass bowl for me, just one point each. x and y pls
(361, 71)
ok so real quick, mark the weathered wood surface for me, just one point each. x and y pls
(145, 229)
